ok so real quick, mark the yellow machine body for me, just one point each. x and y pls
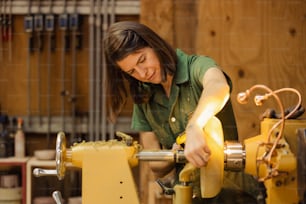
(283, 187)
(183, 194)
(211, 176)
(106, 173)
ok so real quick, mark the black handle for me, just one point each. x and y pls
(31, 43)
(53, 42)
(67, 41)
(166, 190)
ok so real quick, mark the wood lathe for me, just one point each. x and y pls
(276, 157)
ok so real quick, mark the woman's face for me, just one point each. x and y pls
(143, 65)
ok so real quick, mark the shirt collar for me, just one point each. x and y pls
(182, 72)
(181, 76)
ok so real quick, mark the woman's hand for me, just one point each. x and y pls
(176, 147)
(196, 150)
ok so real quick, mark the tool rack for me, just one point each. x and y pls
(19, 7)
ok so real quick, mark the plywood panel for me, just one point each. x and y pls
(287, 45)
(255, 42)
(158, 15)
(185, 25)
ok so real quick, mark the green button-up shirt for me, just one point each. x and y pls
(168, 117)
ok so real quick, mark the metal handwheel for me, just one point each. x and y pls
(61, 154)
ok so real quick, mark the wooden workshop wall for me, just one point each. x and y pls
(257, 42)
(16, 86)
(19, 94)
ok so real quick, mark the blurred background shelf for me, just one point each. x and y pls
(17, 165)
(40, 187)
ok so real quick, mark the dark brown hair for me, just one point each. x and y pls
(122, 39)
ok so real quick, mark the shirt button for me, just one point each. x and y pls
(173, 119)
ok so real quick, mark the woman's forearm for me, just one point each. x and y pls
(213, 98)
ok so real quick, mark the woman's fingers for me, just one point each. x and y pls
(198, 158)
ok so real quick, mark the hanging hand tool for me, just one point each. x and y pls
(98, 74)
(2, 16)
(73, 25)
(4, 29)
(4, 23)
(63, 25)
(104, 28)
(79, 35)
(49, 27)
(111, 21)
(76, 21)
(28, 25)
(10, 31)
(38, 27)
(63, 22)
(91, 70)
(103, 116)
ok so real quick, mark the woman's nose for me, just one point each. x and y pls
(142, 71)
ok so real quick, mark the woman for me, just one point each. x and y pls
(172, 92)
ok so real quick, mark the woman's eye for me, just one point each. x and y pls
(142, 59)
(131, 72)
